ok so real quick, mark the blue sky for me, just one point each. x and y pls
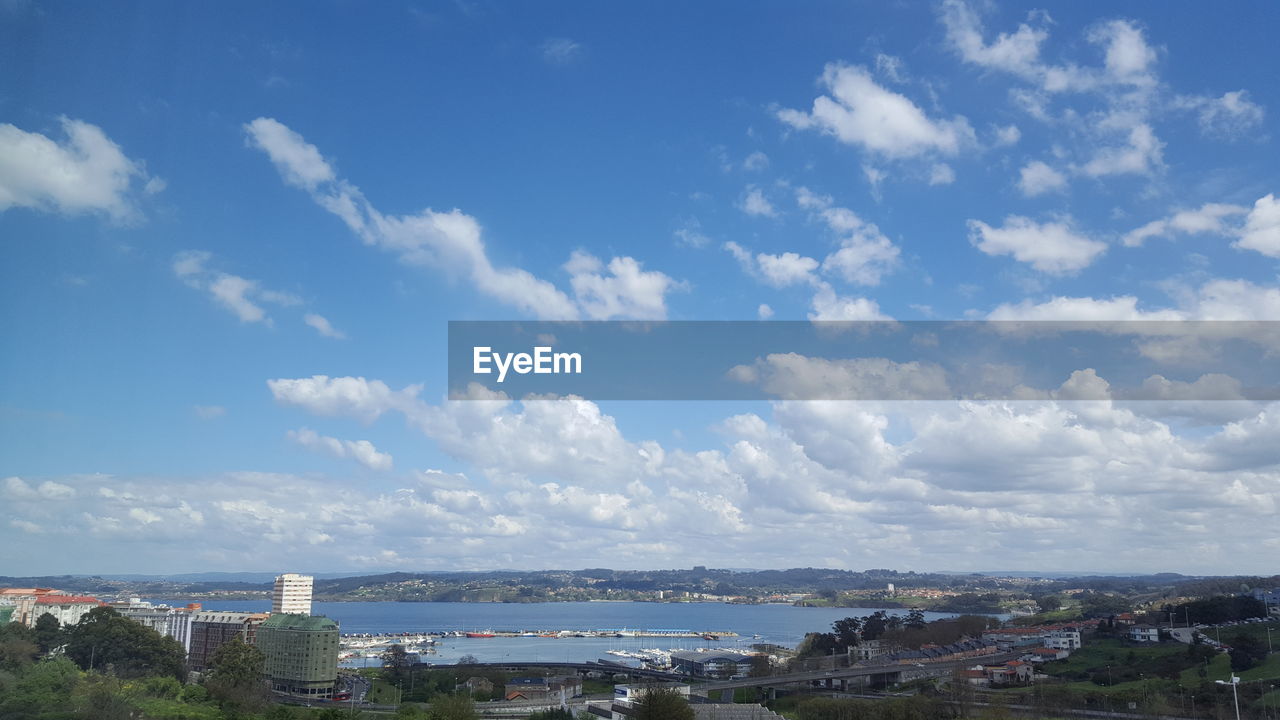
(231, 237)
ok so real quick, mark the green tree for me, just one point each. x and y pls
(1049, 603)
(235, 677)
(48, 632)
(1247, 652)
(848, 632)
(458, 706)
(17, 646)
(661, 703)
(106, 640)
(41, 689)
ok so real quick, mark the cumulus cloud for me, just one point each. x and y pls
(778, 271)
(755, 203)
(362, 451)
(622, 289)
(450, 241)
(829, 305)
(1262, 227)
(85, 171)
(1051, 247)
(859, 112)
(1037, 178)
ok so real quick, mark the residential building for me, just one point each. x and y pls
(624, 696)
(23, 602)
(1144, 633)
(292, 594)
(209, 630)
(67, 609)
(301, 653)
(170, 621)
(556, 689)
(1062, 639)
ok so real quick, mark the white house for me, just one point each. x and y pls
(1144, 633)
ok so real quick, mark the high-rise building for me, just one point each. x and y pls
(301, 653)
(292, 594)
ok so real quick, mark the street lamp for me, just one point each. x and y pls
(1234, 695)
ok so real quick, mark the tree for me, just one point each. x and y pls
(915, 619)
(48, 633)
(1247, 652)
(661, 703)
(106, 640)
(235, 677)
(458, 706)
(875, 625)
(1049, 603)
(396, 662)
(848, 632)
(17, 646)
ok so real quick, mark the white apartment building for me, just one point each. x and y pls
(1062, 640)
(292, 594)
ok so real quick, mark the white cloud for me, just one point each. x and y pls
(764, 312)
(1017, 52)
(450, 241)
(1078, 309)
(941, 174)
(1007, 135)
(830, 305)
(1143, 154)
(1218, 299)
(690, 234)
(755, 203)
(626, 290)
(1129, 58)
(778, 271)
(865, 255)
(362, 451)
(755, 162)
(1231, 116)
(86, 172)
(1037, 178)
(237, 294)
(1051, 247)
(322, 326)
(356, 397)
(1207, 219)
(862, 113)
(560, 51)
(1262, 227)
(298, 162)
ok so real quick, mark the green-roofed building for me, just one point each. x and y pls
(301, 653)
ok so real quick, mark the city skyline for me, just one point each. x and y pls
(229, 251)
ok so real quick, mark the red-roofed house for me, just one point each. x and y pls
(68, 609)
(23, 600)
